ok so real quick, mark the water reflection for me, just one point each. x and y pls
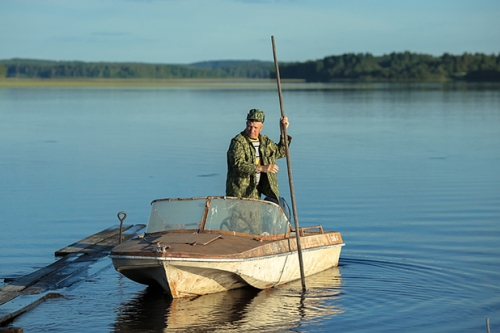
(280, 308)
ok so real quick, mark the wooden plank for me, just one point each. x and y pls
(16, 286)
(25, 293)
(11, 330)
(85, 243)
(64, 276)
(68, 266)
(108, 243)
(22, 304)
(55, 278)
(22, 285)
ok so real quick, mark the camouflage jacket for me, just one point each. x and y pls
(241, 179)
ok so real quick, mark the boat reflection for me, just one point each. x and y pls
(280, 308)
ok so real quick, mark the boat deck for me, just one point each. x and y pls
(219, 245)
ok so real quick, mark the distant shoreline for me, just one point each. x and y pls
(405, 67)
(237, 83)
(226, 83)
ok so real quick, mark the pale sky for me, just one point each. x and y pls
(186, 31)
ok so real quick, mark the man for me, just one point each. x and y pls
(251, 160)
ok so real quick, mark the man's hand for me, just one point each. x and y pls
(284, 121)
(270, 168)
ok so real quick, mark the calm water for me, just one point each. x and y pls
(409, 176)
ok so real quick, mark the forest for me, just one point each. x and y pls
(27, 68)
(402, 66)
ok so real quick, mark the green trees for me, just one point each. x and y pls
(23, 68)
(396, 66)
(403, 66)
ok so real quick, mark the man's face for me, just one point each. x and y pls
(253, 129)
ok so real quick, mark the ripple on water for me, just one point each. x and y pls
(401, 291)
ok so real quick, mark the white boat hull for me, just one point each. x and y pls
(185, 277)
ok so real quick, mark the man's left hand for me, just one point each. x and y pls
(284, 121)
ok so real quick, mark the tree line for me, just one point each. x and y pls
(25, 68)
(402, 66)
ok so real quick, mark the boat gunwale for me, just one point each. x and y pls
(211, 259)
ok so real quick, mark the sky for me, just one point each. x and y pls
(187, 31)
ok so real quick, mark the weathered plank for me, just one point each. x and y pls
(63, 273)
(102, 244)
(12, 289)
(110, 242)
(91, 240)
(22, 304)
(11, 330)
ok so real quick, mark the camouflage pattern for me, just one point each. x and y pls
(256, 114)
(241, 179)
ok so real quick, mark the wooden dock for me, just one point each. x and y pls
(24, 293)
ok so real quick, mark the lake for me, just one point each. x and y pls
(409, 174)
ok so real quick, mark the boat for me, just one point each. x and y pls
(203, 245)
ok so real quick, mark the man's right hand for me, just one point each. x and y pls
(270, 168)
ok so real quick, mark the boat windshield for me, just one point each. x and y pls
(254, 217)
(176, 214)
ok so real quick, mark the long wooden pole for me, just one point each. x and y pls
(289, 166)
